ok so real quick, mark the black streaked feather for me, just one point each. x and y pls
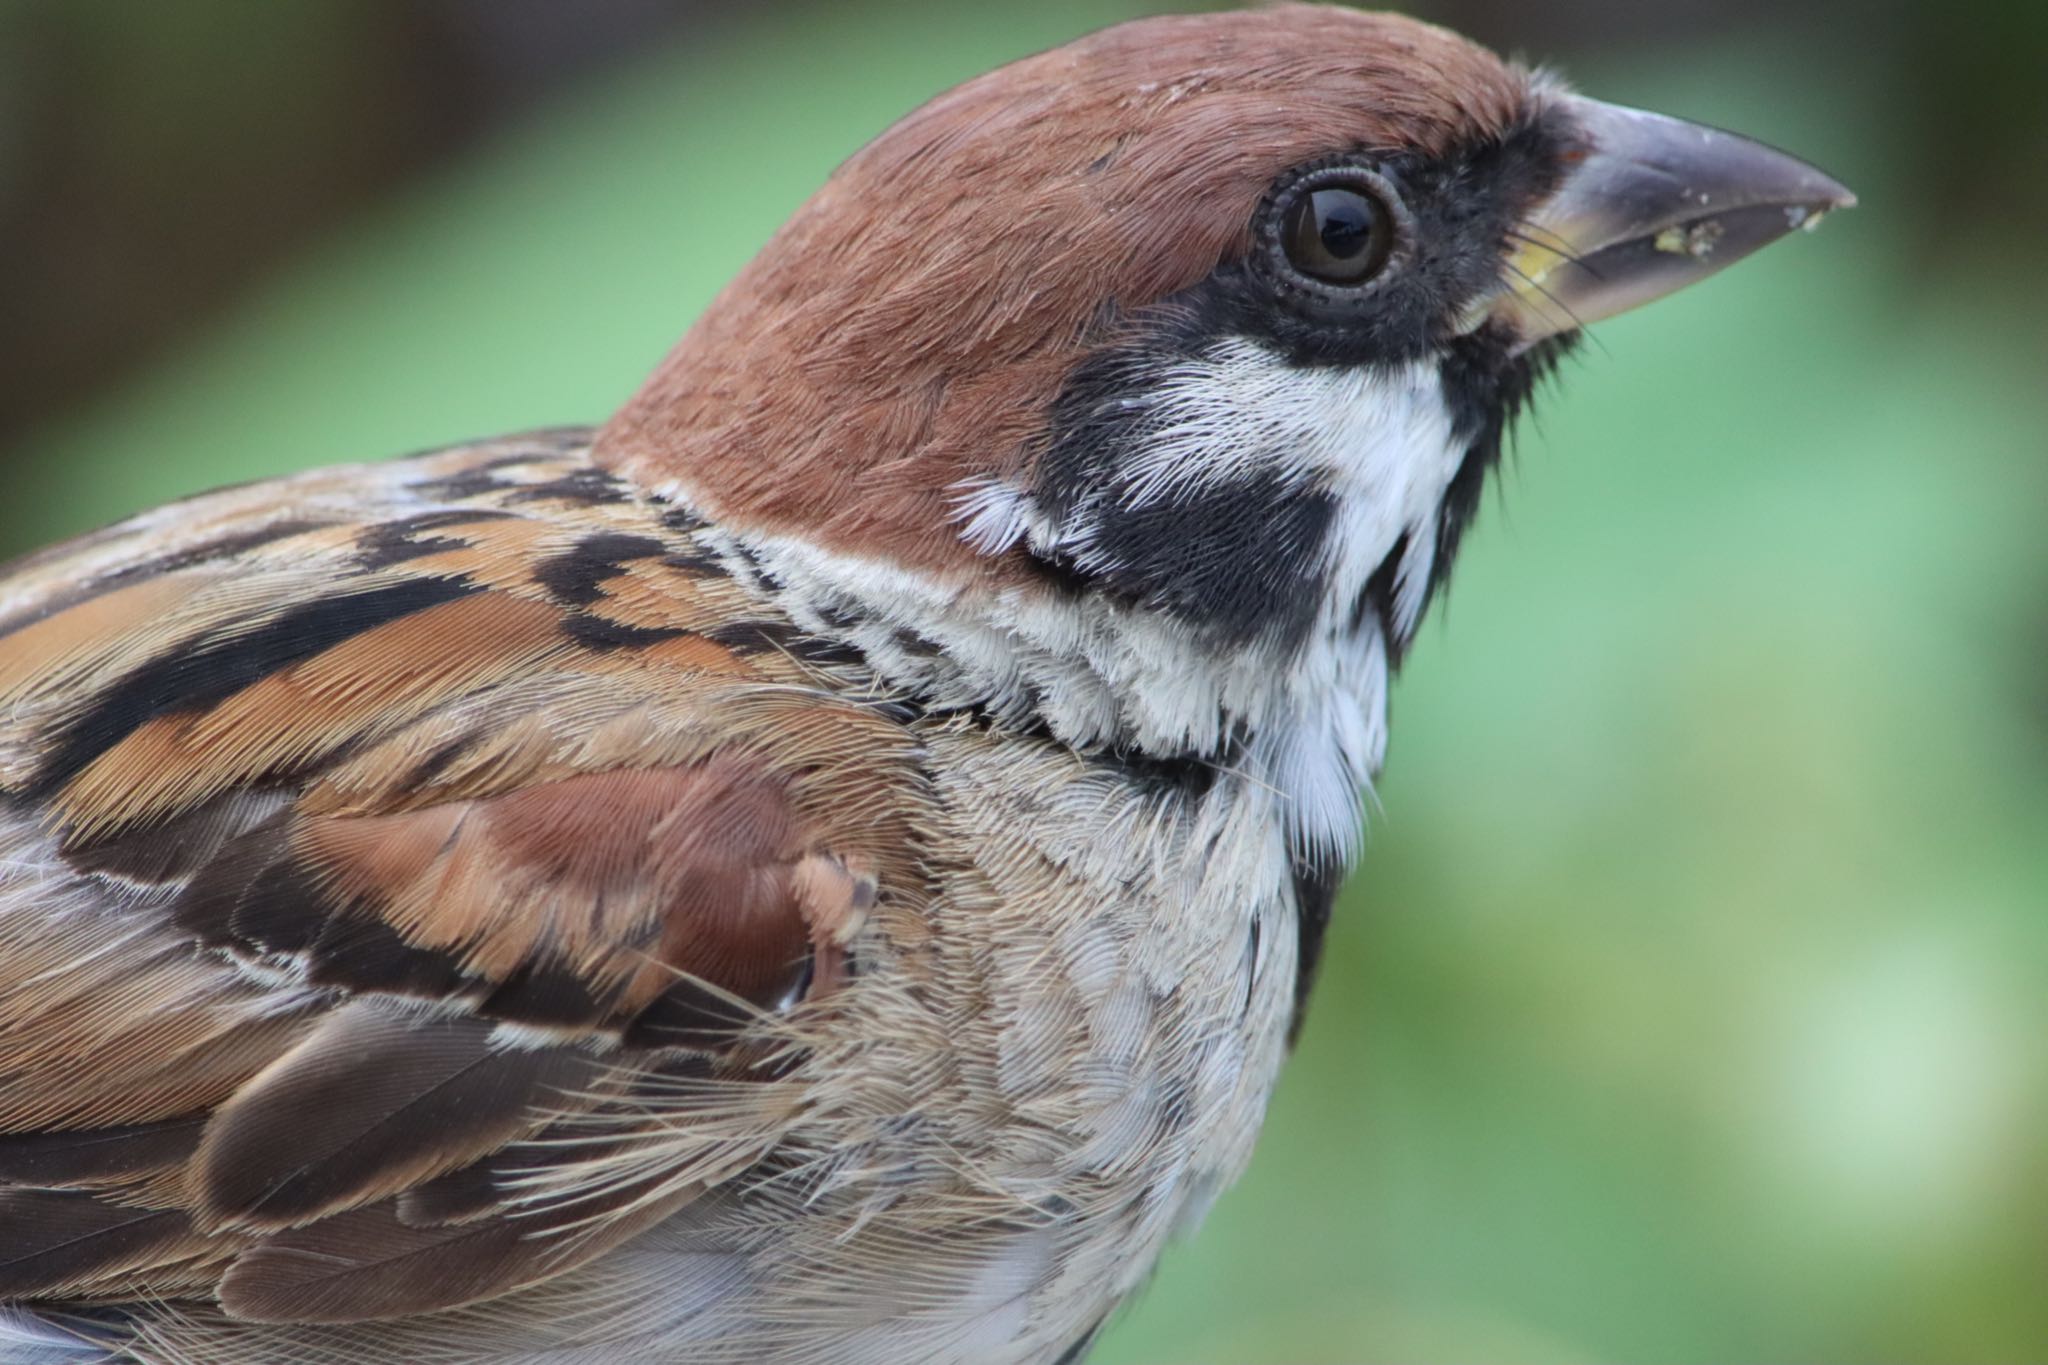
(212, 551)
(549, 992)
(394, 542)
(587, 487)
(365, 1264)
(576, 577)
(197, 673)
(259, 897)
(484, 1186)
(783, 637)
(605, 635)
(358, 950)
(252, 894)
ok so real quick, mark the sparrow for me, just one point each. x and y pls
(825, 866)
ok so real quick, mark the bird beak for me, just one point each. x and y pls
(1650, 205)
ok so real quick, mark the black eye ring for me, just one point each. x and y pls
(1333, 230)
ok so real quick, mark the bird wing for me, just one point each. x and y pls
(388, 858)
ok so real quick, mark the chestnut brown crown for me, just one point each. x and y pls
(911, 325)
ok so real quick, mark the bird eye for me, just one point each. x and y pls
(1337, 233)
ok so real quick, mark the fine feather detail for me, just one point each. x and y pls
(65, 1239)
(28, 1339)
(368, 1264)
(370, 795)
(668, 894)
(402, 1097)
(510, 862)
(92, 1155)
(697, 916)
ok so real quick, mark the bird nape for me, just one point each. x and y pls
(823, 867)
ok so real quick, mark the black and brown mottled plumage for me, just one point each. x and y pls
(424, 879)
(486, 783)
(822, 868)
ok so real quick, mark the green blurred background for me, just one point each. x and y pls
(1689, 1006)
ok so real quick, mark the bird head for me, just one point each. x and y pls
(1141, 389)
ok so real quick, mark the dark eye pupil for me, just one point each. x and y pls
(1344, 221)
(1337, 234)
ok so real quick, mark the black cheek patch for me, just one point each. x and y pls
(1241, 560)
(1242, 554)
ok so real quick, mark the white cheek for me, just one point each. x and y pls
(1322, 757)
(1380, 440)
(1241, 408)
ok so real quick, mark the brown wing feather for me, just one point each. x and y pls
(368, 1264)
(94, 1155)
(400, 1097)
(344, 852)
(60, 1238)
(381, 678)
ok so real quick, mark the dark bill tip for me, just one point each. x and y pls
(1651, 205)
